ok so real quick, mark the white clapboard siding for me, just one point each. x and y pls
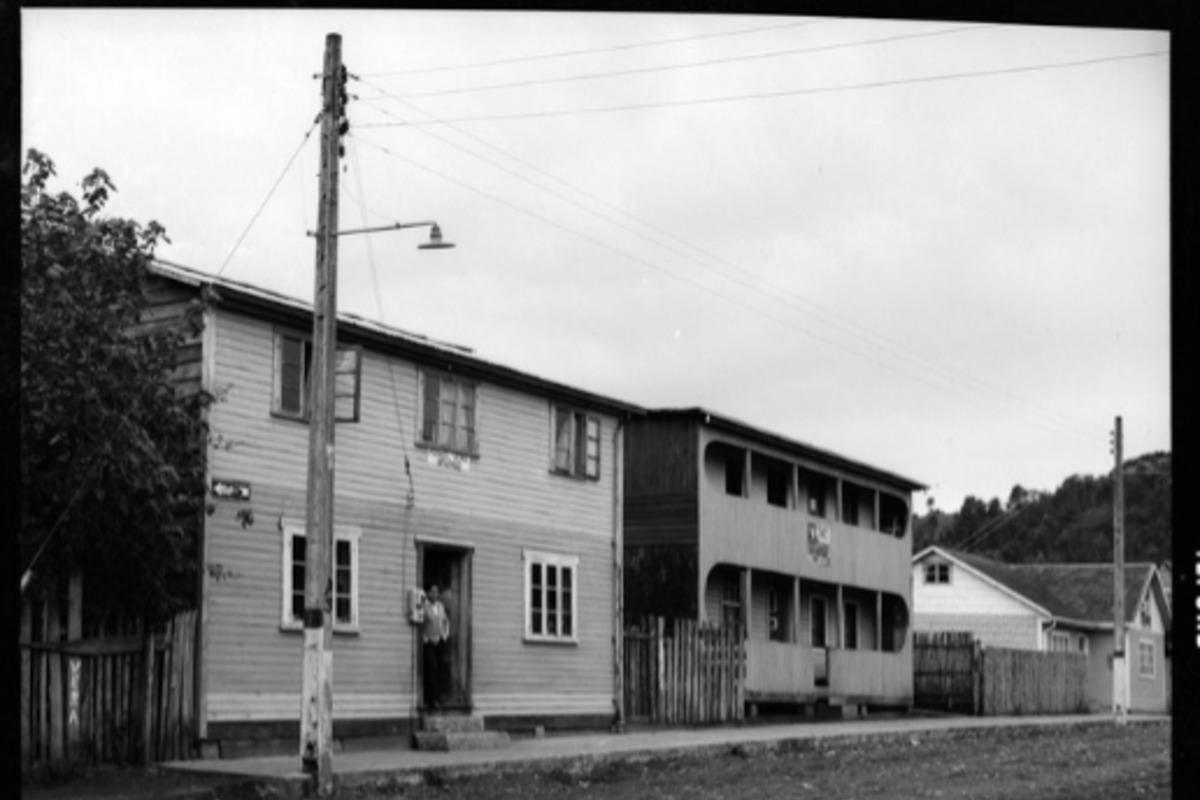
(505, 502)
(966, 593)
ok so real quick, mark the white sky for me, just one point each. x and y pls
(959, 279)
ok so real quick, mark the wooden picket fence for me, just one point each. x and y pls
(679, 672)
(946, 671)
(952, 672)
(1030, 682)
(119, 697)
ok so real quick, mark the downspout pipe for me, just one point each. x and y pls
(618, 544)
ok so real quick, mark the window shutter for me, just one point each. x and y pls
(347, 373)
(429, 415)
(592, 449)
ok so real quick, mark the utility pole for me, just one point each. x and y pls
(1120, 665)
(316, 710)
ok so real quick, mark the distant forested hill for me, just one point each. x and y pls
(1074, 523)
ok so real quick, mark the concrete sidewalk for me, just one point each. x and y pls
(384, 768)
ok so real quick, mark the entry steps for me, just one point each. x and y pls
(451, 731)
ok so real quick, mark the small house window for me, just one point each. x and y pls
(1144, 618)
(293, 366)
(731, 603)
(1145, 659)
(938, 572)
(576, 438)
(551, 592)
(345, 579)
(1060, 642)
(447, 413)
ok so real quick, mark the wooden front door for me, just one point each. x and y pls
(450, 569)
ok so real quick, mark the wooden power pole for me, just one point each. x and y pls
(1120, 663)
(316, 714)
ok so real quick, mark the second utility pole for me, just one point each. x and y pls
(316, 709)
(1120, 663)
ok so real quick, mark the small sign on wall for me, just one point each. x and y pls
(818, 544)
(230, 490)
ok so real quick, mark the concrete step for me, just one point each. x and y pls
(448, 722)
(459, 740)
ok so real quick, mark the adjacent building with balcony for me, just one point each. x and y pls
(806, 551)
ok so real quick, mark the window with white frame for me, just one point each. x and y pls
(447, 413)
(576, 441)
(937, 572)
(551, 597)
(293, 364)
(345, 576)
(1060, 642)
(1145, 659)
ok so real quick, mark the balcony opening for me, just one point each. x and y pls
(893, 515)
(725, 466)
(817, 488)
(777, 475)
(723, 596)
(895, 623)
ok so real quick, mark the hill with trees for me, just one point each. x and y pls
(1073, 523)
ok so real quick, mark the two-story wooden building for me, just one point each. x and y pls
(806, 550)
(497, 485)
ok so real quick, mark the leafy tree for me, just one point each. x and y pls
(112, 454)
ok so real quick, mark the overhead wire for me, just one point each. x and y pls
(770, 95)
(696, 64)
(702, 287)
(596, 50)
(267, 199)
(779, 293)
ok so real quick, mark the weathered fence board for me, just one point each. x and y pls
(678, 672)
(952, 672)
(103, 699)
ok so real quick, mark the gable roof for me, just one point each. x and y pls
(267, 304)
(1081, 593)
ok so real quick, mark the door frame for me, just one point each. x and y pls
(462, 620)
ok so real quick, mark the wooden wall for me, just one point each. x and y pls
(501, 502)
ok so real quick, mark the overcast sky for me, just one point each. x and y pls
(938, 247)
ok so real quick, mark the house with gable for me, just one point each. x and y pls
(1053, 608)
(499, 486)
(805, 551)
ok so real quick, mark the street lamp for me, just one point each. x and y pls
(435, 234)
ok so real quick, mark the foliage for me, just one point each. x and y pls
(112, 453)
(1073, 524)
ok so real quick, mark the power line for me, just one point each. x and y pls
(596, 50)
(778, 94)
(267, 199)
(723, 296)
(778, 294)
(695, 64)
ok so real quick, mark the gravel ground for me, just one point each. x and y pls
(1082, 762)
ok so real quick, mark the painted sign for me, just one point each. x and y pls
(230, 490)
(818, 544)
(441, 458)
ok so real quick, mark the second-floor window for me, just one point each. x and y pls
(448, 413)
(576, 441)
(293, 373)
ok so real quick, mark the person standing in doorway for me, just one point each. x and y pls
(434, 632)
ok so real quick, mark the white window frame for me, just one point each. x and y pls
(571, 444)
(1059, 642)
(560, 563)
(458, 427)
(937, 572)
(341, 533)
(347, 379)
(1146, 648)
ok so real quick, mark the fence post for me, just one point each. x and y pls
(148, 697)
(976, 679)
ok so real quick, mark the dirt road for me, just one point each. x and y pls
(1078, 762)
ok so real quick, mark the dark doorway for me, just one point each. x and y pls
(449, 568)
